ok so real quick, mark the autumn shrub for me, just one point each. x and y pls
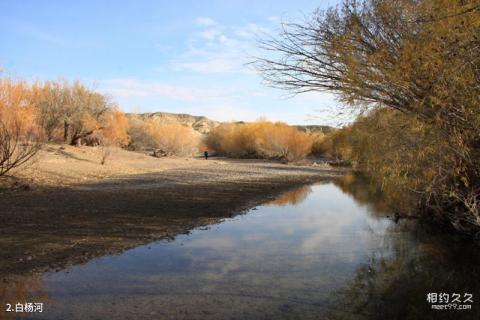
(261, 139)
(410, 159)
(279, 140)
(319, 146)
(165, 138)
(139, 137)
(403, 154)
(19, 136)
(234, 140)
(335, 144)
(172, 138)
(114, 128)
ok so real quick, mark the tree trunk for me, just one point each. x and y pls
(65, 131)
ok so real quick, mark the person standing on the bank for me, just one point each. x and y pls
(206, 154)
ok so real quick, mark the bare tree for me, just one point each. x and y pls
(379, 52)
(85, 109)
(16, 148)
(51, 108)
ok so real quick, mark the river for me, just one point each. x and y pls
(326, 251)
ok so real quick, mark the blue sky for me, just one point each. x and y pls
(175, 56)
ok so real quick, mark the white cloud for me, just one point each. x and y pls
(133, 88)
(217, 49)
(251, 30)
(205, 21)
(273, 19)
(163, 48)
(218, 65)
(214, 54)
(209, 34)
(228, 112)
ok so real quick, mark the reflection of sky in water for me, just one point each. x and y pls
(275, 260)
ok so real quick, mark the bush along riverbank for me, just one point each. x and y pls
(411, 70)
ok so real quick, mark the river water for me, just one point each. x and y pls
(326, 251)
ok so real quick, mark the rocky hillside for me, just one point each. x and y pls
(204, 125)
(314, 128)
(198, 123)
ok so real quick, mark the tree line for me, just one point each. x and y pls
(71, 113)
(31, 114)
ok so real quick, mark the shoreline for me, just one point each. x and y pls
(50, 228)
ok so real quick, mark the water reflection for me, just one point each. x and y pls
(292, 197)
(423, 260)
(322, 252)
(369, 193)
(396, 287)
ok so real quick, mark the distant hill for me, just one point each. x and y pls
(204, 125)
(314, 128)
(198, 123)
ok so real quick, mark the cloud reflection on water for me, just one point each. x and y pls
(311, 253)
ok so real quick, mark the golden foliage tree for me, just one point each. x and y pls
(115, 127)
(69, 111)
(83, 113)
(19, 137)
(336, 143)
